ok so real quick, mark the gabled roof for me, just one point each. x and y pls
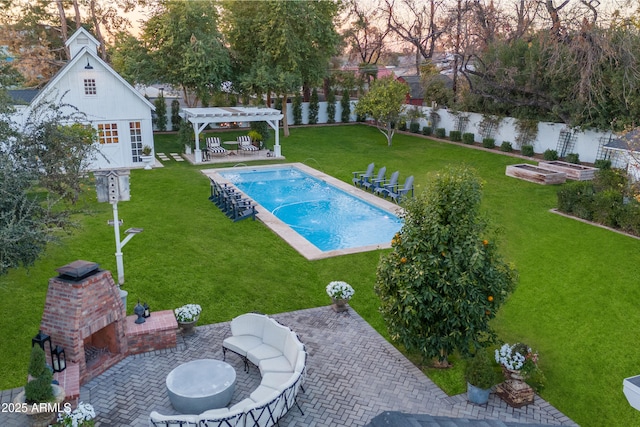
(81, 57)
(82, 32)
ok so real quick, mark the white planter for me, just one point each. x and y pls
(147, 161)
(631, 389)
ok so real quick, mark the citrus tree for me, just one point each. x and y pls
(444, 280)
(384, 103)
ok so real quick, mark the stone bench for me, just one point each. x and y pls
(281, 357)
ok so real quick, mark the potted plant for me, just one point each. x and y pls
(39, 390)
(83, 416)
(256, 138)
(481, 376)
(187, 317)
(523, 376)
(340, 293)
(146, 156)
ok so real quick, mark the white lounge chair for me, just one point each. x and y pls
(244, 144)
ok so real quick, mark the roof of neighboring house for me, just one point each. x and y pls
(22, 96)
(416, 91)
(630, 141)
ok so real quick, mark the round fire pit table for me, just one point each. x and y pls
(200, 385)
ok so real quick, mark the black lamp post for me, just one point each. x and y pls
(138, 310)
(58, 359)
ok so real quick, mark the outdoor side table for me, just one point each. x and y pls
(200, 385)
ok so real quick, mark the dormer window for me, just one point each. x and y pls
(90, 87)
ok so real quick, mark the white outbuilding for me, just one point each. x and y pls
(119, 113)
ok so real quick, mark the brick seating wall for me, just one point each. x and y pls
(158, 332)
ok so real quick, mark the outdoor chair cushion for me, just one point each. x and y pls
(287, 361)
(276, 379)
(222, 417)
(264, 393)
(249, 324)
(241, 344)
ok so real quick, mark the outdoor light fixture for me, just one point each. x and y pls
(138, 310)
(147, 311)
(88, 66)
(58, 359)
(41, 339)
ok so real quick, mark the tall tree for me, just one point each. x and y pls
(384, 103)
(364, 38)
(418, 23)
(185, 49)
(444, 279)
(281, 46)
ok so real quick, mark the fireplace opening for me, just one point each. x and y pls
(100, 345)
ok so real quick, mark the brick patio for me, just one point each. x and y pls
(353, 374)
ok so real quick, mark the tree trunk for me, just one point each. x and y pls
(63, 26)
(285, 123)
(389, 133)
(96, 28)
(78, 18)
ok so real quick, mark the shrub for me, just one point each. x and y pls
(488, 143)
(414, 127)
(550, 154)
(610, 179)
(314, 107)
(455, 135)
(468, 138)
(345, 103)
(297, 109)
(506, 147)
(331, 106)
(39, 389)
(441, 132)
(573, 158)
(576, 198)
(603, 164)
(480, 370)
(606, 206)
(629, 217)
(527, 150)
(402, 125)
(176, 120)
(427, 130)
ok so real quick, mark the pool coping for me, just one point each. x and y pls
(295, 240)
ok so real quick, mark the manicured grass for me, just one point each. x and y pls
(576, 302)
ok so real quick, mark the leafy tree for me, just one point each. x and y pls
(444, 280)
(314, 107)
(58, 146)
(297, 109)
(161, 113)
(331, 106)
(345, 103)
(281, 46)
(384, 103)
(183, 48)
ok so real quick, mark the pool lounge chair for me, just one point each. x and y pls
(370, 184)
(214, 147)
(361, 176)
(244, 144)
(397, 193)
(382, 187)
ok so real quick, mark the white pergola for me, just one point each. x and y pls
(201, 117)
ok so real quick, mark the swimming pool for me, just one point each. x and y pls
(328, 214)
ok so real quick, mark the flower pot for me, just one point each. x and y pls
(188, 328)
(477, 395)
(339, 305)
(147, 161)
(511, 374)
(42, 415)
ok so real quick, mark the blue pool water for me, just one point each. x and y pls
(326, 216)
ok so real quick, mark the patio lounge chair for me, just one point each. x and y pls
(382, 187)
(397, 193)
(370, 184)
(214, 146)
(361, 176)
(244, 144)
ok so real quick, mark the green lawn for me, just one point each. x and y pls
(576, 302)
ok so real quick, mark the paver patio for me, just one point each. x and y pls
(353, 374)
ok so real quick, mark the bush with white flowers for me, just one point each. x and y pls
(340, 290)
(188, 313)
(83, 416)
(509, 357)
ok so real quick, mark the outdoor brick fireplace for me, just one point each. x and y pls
(84, 314)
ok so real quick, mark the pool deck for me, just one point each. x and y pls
(299, 243)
